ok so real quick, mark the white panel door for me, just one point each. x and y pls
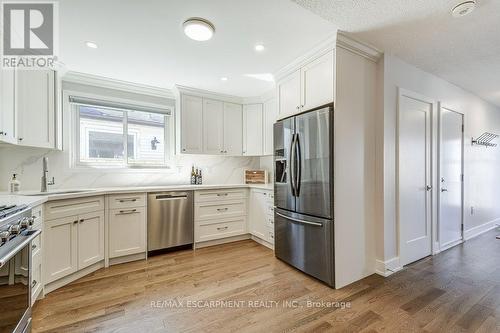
(7, 107)
(191, 124)
(288, 92)
(60, 248)
(451, 162)
(127, 231)
(252, 130)
(317, 82)
(213, 127)
(90, 239)
(270, 116)
(414, 179)
(35, 105)
(233, 129)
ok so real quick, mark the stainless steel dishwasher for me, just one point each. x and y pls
(170, 220)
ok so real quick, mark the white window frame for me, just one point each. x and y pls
(169, 135)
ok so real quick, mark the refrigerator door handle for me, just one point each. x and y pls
(316, 224)
(298, 155)
(292, 165)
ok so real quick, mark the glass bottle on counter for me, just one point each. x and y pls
(193, 176)
(199, 179)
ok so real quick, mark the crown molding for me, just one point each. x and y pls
(356, 46)
(208, 94)
(323, 47)
(105, 82)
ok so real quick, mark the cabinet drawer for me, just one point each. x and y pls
(70, 207)
(270, 221)
(36, 246)
(211, 210)
(127, 231)
(270, 210)
(36, 279)
(224, 229)
(219, 195)
(37, 213)
(270, 235)
(127, 200)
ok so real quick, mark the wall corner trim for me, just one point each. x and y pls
(388, 267)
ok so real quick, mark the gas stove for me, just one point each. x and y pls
(14, 220)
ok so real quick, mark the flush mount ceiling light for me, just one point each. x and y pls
(463, 8)
(223, 78)
(259, 47)
(91, 45)
(198, 29)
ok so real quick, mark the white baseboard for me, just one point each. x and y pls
(221, 241)
(481, 229)
(388, 267)
(262, 242)
(451, 244)
(72, 277)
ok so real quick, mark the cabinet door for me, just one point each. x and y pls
(213, 127)
(191, 124)
(90, 239)
(270, 116)
(60, 248)
(127, 231)
(252, 130)
(233, 129)
(35, 108)
(258, 220)
(317, 82)
(288, 92)
(7, 107)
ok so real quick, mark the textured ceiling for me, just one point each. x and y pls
(464, 51)
(143, 41)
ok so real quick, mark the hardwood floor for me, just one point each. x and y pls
(455, 291)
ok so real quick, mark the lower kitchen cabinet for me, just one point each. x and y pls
(72, 243)
(127, 231)
(262, 214)
(90, 239)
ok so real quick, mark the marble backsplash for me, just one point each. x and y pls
(27, 163)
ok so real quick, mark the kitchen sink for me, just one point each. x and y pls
(49, 193)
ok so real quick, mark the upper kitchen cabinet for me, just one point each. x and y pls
(270, 116)
(213, 127)
(233, 127)
(310, 86)
(191, 124)
(35, 92)
(8, 129)
(252, 129)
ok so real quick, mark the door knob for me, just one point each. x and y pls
(428, 188)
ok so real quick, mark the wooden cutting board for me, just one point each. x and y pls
(255, 176)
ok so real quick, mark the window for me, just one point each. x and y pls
(105, 133)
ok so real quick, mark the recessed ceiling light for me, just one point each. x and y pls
(198, 29)
(90, 44)
(463, 8)
(259, 47)
(223, 78)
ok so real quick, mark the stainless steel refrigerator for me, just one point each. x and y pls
(303, 186)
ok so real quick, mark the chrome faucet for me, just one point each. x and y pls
(45, 172)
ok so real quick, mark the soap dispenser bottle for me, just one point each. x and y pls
(14, 184)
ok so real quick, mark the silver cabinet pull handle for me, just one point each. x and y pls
(316, 224)
(222, 209)
(222, 228)
(33, 283)
(444, 190)
(428, 188)
(126, 212)
(127, 200)
(222, 194)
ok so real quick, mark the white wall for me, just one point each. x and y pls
(482, 165)
(27, 162)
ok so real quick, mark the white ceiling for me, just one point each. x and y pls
(143, 42)
(464, 51)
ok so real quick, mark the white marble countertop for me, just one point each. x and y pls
(33, 198)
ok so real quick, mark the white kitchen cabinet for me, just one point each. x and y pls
(8, 130)
(317, 82)
(270, 116)
(258, 216)
(310, 86)
(36, 108)
(127, 231)
(289, 93)
(233, 129)
(213, 127)
(191, 124)
(60, 248)
(252, 129)
(90, 239)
